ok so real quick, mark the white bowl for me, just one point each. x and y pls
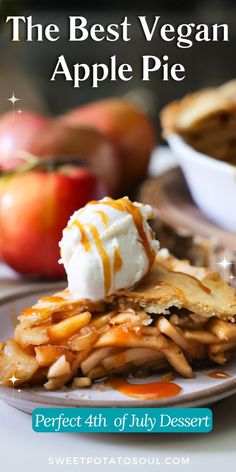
(212, 182)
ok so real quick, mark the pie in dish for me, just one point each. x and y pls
(176, 318)
(206, 120)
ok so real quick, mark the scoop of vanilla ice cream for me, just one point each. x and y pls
(106, 246)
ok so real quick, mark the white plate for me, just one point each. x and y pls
(200, 391)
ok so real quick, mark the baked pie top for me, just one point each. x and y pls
(174, 283)
(196, 109)
(206, 120)
(170, 283)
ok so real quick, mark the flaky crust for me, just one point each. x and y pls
(206, 120)
(190, 113)
(175, 283)
(170, 283)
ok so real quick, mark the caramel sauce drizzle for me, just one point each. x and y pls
(87, 246)
(219, 374)
(117, 259)
(123, 204)
(31, 311)
(52, 299)
(84, 237)
(145, 391)
(205, 289)
(104, 218)
(104, 256)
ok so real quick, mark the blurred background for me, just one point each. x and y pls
(27, 66)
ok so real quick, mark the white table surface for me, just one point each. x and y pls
(22, 449)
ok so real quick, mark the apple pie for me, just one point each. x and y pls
(177, 318)
(206, 120)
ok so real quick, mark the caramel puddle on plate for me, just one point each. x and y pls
(145, 391)
(219, 374)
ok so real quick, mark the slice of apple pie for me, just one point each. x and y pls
(178, 317)
(206, 120)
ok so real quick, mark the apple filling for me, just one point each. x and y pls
(87, 346)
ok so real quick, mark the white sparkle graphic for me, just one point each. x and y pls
(13, 99)
(19, 111)
(13, 379)
(224, 263)
(227, 274)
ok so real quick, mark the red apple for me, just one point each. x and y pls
(130, 130)
(34, 208)
(17, 133)
(85, 143)
(46, 137)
